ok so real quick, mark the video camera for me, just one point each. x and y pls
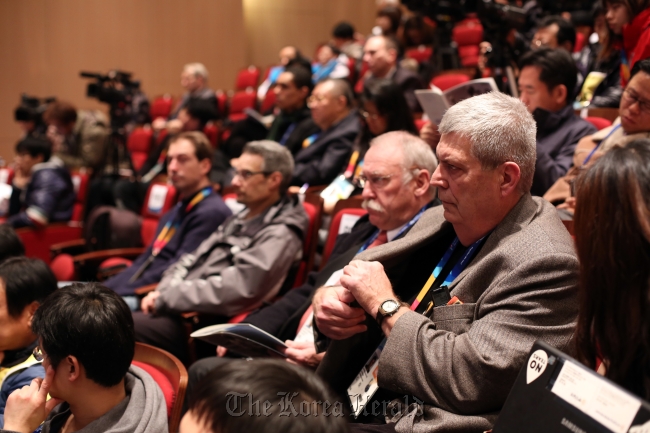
(112, 88)
(31, 109)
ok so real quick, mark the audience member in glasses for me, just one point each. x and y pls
(383, 109)
(86, 345)
(633, 123)
(240, 266)
(24, 285)
(613, 244)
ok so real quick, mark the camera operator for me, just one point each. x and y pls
(29, 116)
(78, 136)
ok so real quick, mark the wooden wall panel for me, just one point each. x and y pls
(45, 43)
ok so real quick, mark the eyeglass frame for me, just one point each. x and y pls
(373, 183)
(644, 105)
(366, 115)
(247, 174)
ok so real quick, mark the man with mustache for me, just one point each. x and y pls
(396, 173)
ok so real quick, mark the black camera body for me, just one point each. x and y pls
(31, 109)
(116, 89)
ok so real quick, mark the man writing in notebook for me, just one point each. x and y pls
(484, 275)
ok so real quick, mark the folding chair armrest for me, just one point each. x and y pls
(146, 289)
(99, 256)
(73, 247)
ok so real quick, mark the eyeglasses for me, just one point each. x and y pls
(632, 97)
(367, 115)
(247, 174)
(374, 181)
(38, 354)
(315, 98)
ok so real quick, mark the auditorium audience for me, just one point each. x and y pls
(343, 38)
(287, 398)
(10, 243)
(86, 344)
(396, 191)
(330, 63)
(612, 232)
(24, 284)
(546, 84)
(478, 323)
(240, 266)
(630, 21)
(42, 187)
(380, 52)
(633, 123)
(383, 109)
(78, 136)
(194, 79)
(197, 215)
(324, 153)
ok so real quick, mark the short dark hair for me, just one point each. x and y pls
(204, 110)
(301, 77)
(640, 66)
(202, 146)
(341, 88)
(556, 67)
(60, 111)
(35, 146)
(566, 31)
(10, 243)
(394, 14)
(25, 280)
(301, 61)
(266, 380)
(343, 30)
(92, 323)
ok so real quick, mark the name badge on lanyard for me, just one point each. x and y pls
(365, 385)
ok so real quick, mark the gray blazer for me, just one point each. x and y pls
(463, 359)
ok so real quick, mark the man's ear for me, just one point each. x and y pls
(392, 54)
(304, 92)
(72, 368)
(510, 177)
(205, 166)
(275, 179)
(422, 183)
(29, 312)
(559, 94)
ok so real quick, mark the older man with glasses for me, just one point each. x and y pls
(240, 266)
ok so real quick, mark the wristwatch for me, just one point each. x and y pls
(387, 309)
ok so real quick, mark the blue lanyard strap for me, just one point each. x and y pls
(598, 145)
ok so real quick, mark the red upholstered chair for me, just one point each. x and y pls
(469, 34)
(580, 42)
(222, 102)
(599, 122)
(161, 107)
(468, 55)
(420, 54)
(313, 205)
(62, 267)
(240, 101)
(80, 183)
(419, 124)
(268, 102)
(444, 82)
(6, 175)
(341, 223)
(248, 77)
(139, 145)
(212, 132)
(169, 373)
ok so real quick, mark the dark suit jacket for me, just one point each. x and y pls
(409, 82)
(462, 360)
(324, 159)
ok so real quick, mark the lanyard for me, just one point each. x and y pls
(402, 230)
(456, 270)
(167, 233)
(309, 140)
(598, 146)
(287, 133)
(350, 168)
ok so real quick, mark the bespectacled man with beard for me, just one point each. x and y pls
(396, 190)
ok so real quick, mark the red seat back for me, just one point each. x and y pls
(6, 175)
(139, 146)
(246, 78)
(341, 223)
(268, 102)
(222, 102)
(38, 241)
(80, 183)
(240, 101)
(62, 267)
(161, 107)
(580, 42)
(444, 82)
(212, 132)
(420, 54)
(599, 122)
(469, 34)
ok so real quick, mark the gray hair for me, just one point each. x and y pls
(198, 69)
(499, 129)
(276, 158)
(416, 153)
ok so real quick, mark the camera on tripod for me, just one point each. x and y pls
(116, 89)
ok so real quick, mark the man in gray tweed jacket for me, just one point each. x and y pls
(448, 366)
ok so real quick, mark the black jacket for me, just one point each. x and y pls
(319, 163)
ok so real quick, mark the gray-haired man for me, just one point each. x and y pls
(486, 274)
(242, 264)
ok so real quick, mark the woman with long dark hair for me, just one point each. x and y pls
(612, 232)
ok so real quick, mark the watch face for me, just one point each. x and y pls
(390, 306)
